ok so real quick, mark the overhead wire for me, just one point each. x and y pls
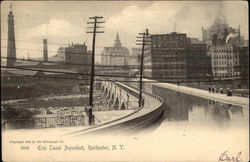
(114, 66)
(115, 76)
(72, 53)
(123, 81)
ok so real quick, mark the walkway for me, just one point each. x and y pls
(234, 100)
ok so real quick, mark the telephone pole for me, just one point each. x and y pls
(94, 21)
(143, 39)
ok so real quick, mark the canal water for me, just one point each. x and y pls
(199, 129)
(200, 112)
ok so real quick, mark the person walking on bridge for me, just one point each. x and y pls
(221, 90)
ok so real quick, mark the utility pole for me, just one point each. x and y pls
(94, 31)
(145, 41)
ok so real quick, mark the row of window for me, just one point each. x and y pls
(174, 59)
(165, 45)
(225, 56)
(227, 74)
(167, 53)
(224, 50)
(229, 69)
(222, 57)
(170, 73)
(236, 62)
(170, 63)
(164, 67)
(167, 38)
(222, 63)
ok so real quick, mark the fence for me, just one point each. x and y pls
(46, 122)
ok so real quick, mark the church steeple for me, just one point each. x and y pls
(117, 41)
(11, 47)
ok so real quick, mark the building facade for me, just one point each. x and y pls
(168, 56)
(74, 54)
(115, 56)
(135, 56)
(229, 61)
(175, 58)
(134, 60)
(147, 62)
(198, 62)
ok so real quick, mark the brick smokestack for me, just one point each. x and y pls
(45, 50)
(11, 50)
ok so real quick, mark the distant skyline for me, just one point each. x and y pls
(65, 22)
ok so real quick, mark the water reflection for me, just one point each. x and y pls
(200, 111)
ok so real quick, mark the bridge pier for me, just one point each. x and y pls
(111, 101)
(115, 106)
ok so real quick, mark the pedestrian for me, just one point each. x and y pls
(230, 92)
(178, 84)
(213, 89)
(216, 90)
(209, 89)
(221, 90)
(143, 102)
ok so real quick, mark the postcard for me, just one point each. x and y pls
(125, 81)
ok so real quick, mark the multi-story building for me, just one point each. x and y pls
(74, 54)
(134, 60)
(135, 57)
(175, 58)
(147, 61)
(115, 56)
(229, 61)
(244, 61)
(198, 62)
(169, 56)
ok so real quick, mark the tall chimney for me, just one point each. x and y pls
(45, 51)
(11, 47)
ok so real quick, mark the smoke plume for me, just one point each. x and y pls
(231, 35)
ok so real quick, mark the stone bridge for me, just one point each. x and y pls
(122, 96)
(118, 96)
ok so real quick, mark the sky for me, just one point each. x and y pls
(63, 22)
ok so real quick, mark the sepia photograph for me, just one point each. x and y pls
(125, 81)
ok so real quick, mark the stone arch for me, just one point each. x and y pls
(108, 95)
(123, 107)
(116, 104)
(103, 88)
